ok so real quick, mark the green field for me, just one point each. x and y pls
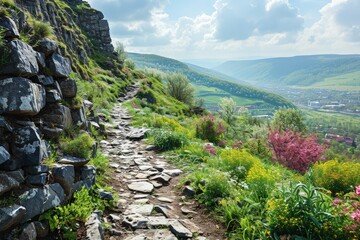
(212, 96)
(344, 82)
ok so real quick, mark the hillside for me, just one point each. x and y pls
(210, 88)
(319, 71)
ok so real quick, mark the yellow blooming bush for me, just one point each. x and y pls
(237, 162)
(338, 177)
(261, 181)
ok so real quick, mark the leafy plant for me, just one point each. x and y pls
(63, 219)
(210, 129)
(295, 151)
(80, 146)
(168, 140)
(41, 29)
(214, 187)
(301, 210)
(179, 87)
(289, 119)
(237, 162)
(338, 177)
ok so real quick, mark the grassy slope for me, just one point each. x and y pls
(210, 87)
(322, 71)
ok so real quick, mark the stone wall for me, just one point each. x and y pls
(65, 22)
(34, 84)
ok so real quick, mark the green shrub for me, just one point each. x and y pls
(215, 186)
(179, 87)
(168, 140)
(8, 3)
(63, 219)
(237, 162)
(241, 218)
(261, 181)
(41, 29)
(301, 210)
(338, 177)
(81, 146)
(210, 129)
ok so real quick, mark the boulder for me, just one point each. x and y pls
(10, 216)
(68, 88)
(37, 180)
(28, 146)
(57, 116)
(78, 115)
(11, 165)
(88, 173)
(5, 124)
(35, 170)
(4, 155)
(52, 96)
(33, 201)
(9, 25)
(42, 228)
(10, 180)
(54, 196)
(65, 176)
(40, 58)
(94, 229)
(37, 200)
(19, 96)
(21, 60)
(46, 81)
(52, 133)
(28, 232)
(46, 46)
(59, 66)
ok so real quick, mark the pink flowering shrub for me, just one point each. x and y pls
(209, 148)
(346, 213)
(295, 150)
(210, 129)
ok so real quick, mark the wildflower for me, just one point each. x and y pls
(355, 216)
(357, 190)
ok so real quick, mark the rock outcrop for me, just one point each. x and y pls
(33, 86)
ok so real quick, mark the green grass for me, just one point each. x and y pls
(343, 82)
(212, 96)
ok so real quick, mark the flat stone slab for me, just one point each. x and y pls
(143, 187)
(179, 230)
(144, 210)
(77, 162)
(164, 199)
(157, 222)
(135, 221)
(164, 234)
(173, 172)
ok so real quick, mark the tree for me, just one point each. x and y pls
(289, 119)
(228, 109)
(120, 50)
(179, 87)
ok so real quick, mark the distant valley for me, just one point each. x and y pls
(212, 86)
(332, 72)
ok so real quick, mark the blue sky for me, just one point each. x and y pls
(234, 29)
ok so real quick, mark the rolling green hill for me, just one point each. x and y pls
(210, 88)
(319, 71)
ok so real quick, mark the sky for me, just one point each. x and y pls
(220, 30)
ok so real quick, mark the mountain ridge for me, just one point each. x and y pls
(260, 97)
(304, 70)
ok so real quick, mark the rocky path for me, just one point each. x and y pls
(151, 206)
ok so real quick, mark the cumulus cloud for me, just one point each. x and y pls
(239, 20)
(127, 10)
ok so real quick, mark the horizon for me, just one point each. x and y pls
(225, 30)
